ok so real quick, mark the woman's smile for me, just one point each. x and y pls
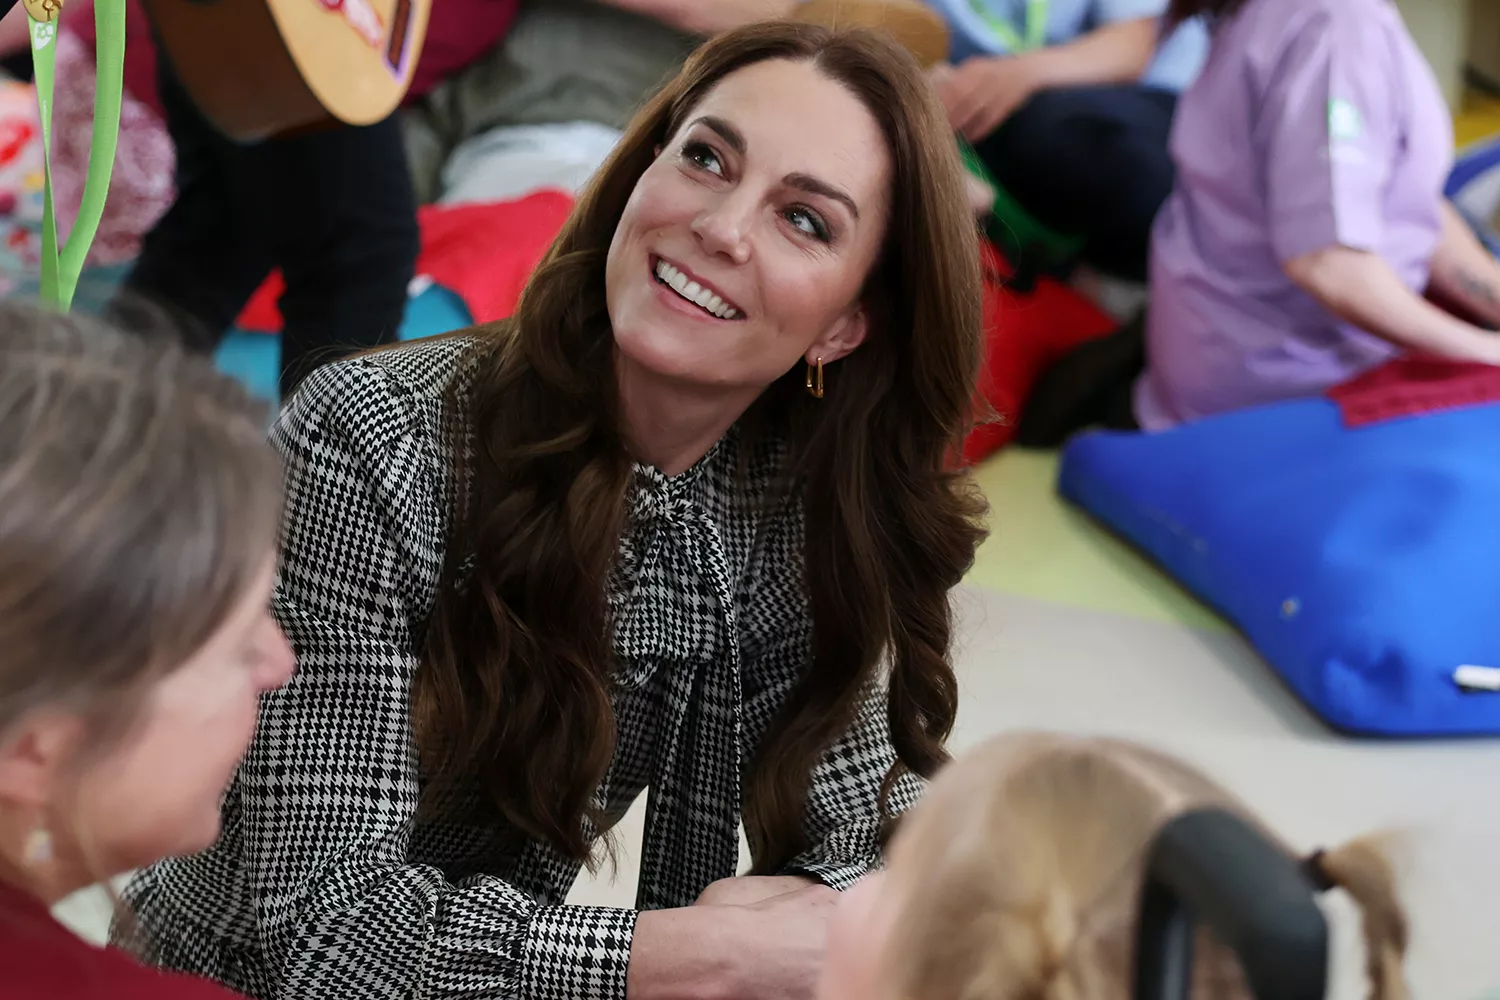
(687, 292)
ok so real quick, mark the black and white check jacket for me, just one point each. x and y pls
(324, 885)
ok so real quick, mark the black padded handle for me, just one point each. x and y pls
(1212, 868)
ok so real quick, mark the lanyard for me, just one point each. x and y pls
(1036, 25)
(59, 278)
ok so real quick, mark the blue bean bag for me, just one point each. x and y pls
(1474, 188)
(1362, 563)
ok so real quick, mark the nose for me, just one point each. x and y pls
(723, 227)
(279, 662)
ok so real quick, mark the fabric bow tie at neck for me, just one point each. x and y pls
(694, 827)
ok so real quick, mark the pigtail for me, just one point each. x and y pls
(1362, 870)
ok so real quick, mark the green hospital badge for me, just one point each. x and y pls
(1344, 121)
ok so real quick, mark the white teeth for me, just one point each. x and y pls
(694, 292)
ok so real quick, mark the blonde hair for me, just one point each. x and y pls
(1019, 875)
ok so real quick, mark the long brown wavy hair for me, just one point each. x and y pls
(514, 687)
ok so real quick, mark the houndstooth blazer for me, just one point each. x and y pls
(324, 885)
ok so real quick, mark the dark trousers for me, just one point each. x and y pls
(1090, 162)
(333, 209)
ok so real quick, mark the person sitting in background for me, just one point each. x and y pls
(1308, 217)
(546, 107)
(331, 207)
(1019, 876)
(1069, 104)
(138, 520)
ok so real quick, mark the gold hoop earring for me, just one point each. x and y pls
(38, 849)
(815, 386)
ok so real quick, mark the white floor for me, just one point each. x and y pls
(1027, 664)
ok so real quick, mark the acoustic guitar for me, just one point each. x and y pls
(256, 68)
(914, 24)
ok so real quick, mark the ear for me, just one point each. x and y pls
(656, 151)
(847, 333)
(33, 755)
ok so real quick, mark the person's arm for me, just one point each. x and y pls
(707, 17)
(983, 91)
(842, 819)
(1113, 53)
(1332, 126)
(1362, 289)
(327, 794)
(1464, 272)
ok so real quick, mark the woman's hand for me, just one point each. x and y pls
(982, 92)
(770, 949)
(750, 889)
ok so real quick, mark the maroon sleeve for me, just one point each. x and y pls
(459, 32)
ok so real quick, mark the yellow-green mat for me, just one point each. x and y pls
(1042, 548)
(1479, 119)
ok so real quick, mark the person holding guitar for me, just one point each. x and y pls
(330, 204)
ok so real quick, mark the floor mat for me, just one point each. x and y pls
(1041, 548)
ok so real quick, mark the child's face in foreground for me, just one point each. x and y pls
(859, 936)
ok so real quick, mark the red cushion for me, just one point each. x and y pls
(1025, 334)
(1409, 386)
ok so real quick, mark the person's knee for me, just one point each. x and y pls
(1045, 112)
(1045, 133)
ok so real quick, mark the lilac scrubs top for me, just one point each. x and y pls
(1314, 123)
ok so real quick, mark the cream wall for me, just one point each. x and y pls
(1442, 29)
(1453, 32)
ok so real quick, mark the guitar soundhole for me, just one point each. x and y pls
(395, 50)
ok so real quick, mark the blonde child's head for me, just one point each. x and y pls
(1019, 875)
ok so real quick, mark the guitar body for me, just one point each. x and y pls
(919, 28)
(257, 68)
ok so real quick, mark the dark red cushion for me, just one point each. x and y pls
(1025, 333)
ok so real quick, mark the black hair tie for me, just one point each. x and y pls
(1312, 868)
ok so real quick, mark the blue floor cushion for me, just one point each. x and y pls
(254, 357)
(1363, 564)
(1474, 188)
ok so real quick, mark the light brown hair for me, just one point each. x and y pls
(138, 501)
(513, 690)
(1019, 875)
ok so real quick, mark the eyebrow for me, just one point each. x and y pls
(805, 182)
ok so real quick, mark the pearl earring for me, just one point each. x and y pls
(38, 848)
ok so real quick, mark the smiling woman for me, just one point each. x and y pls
(532, 569)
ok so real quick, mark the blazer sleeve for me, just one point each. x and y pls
(330, 785)
(842, 818)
